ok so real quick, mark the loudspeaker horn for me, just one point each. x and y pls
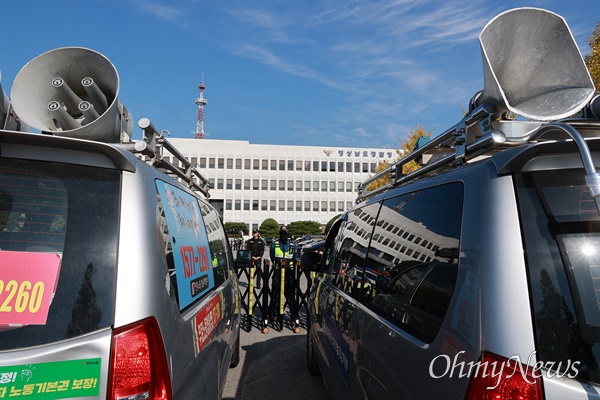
(532, 66)
(8, 118)
(72, 91)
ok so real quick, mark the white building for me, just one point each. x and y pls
(253, 182)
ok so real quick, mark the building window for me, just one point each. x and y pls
(238, 163)
(373, 165)
(194, 160)
(255, 184)
(220, 183)
(315, 205)
(340, 206)
(273, 184)
(230, 163)
(281, 205)
(281, 184)
(211, 163)
(298, 205)
(332, 186)
(307, 186)
(340, 166)
(228, 205)
(221, 163)
(331, 166)
(264, 185)
(254, 205)
(290, 164)
(263, 205)
(282, 165)
(246, 205)
(365, 167)
(211, 183)
(348, 167)
(265, 165)
(323, 186)
(323, 206)
(202, 162)
(348, 205)
(238, 184)
(246, 163)
(256, 163)
(315, 166)
(299, 185)
(298, 165)
(246, 184)
(290, 186)
(307, 165)
(238, 205)
(356, 167)
(340, 187)
(348, 186)
(273, 165)
(290, 205)
(307, 206)
(272, 205)
(323, 166)
(315, 186)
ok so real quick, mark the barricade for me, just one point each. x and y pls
(285, 289)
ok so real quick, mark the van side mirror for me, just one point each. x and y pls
(311, 261)
(243, 259)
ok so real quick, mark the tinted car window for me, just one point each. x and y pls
(414, 256)
(348, 257)
(217, 241)
(561, 231)
(58, 235)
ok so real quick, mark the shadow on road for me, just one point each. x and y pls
(273, 366)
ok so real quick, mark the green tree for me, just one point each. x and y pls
(384, 180)
(409, 145)
(592, 59)
(269, 228)
(301, 228)
(233, 229)
(331, 221)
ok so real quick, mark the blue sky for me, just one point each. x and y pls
(327, 73)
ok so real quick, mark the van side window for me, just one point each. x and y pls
(217, 242)
(410, 279)
(350, 248)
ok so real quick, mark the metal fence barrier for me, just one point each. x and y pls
(285, 286)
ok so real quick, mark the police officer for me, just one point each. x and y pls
(256, 245)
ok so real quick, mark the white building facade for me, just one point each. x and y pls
(253, 182)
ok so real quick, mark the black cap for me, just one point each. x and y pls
(255, 231)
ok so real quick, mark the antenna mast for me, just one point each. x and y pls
(201, 102)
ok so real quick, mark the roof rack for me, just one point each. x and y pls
(481, 134)
(152, 146)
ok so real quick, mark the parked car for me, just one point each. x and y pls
(119, 281)
(486, 257)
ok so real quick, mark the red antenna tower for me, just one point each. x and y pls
(201, 102)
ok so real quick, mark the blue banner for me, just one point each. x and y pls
(191, 252)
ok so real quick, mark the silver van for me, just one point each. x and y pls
(116, 276)
(478, 275)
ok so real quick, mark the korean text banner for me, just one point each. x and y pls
(191, 252)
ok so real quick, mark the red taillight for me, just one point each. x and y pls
(512, 382)
(138, 363)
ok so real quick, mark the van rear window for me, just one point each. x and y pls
(561, 230)
(58, 240)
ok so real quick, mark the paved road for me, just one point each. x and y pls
(273, 366)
